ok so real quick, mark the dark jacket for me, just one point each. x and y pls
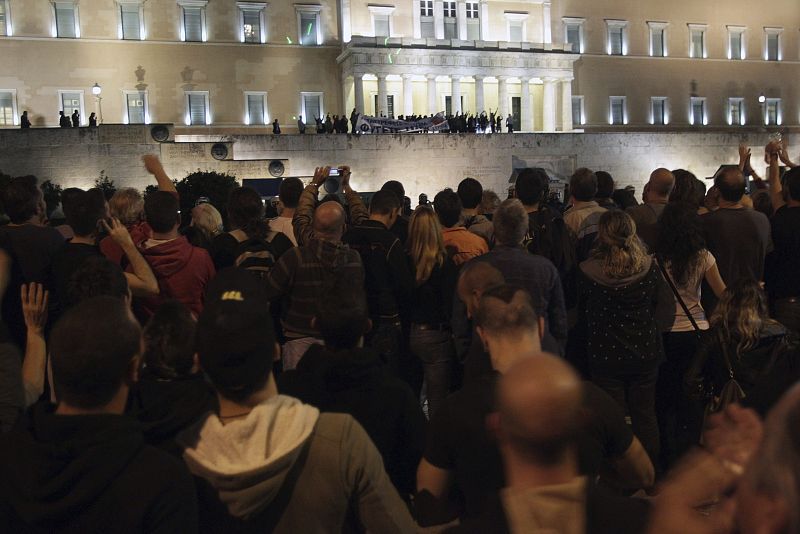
(622, 332)
(764, 372)
(431, 302)
(355, 382)
(166, 407)
(182, 271)
(90, 473)
(388, 277)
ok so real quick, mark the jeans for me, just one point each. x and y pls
(679, 417)
(787, 312)
(436, 351)
(386, 338)
(636, 393)
(294, 349)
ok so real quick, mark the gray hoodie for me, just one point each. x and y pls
(336, 470)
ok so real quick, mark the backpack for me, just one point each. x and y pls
(256, 256)
(549, 236)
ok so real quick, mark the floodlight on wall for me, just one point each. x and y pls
(761, 98)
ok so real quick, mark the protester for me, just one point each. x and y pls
(783, 263)
(83, 456)
(687, 262)
(489, 204)
(435, 279)
(460, 243)
(400, 227)
(656, 194)
(288, 195)
(24, 121)
(205, 226)
(618, 292)
(583, 189)
(344, 377)
(266, 461)
(688, 189)
(605, 189)
(470, 192)
(98, 277)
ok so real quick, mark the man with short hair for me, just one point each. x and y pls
(739, 238)
(289, 196)
(87, 462)
(461, 244)
(97, 277)
(400, 227)
(303, 274)
(605, 188)
(655, 196)
(389, 281)
(182, 270)
(30, 246)
(582, 189)
(470, 191)
(266, 462)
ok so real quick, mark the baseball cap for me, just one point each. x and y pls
(235, 339)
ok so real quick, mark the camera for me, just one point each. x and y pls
(333, 184)
(334, 172)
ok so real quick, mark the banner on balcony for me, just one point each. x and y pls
(368, 125)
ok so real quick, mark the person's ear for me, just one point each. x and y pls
(276, 355)
(483, 337)
(541, 328)
(196, 368)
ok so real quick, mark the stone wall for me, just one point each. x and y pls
(424, 163)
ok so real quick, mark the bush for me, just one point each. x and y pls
(105, 184)
(213, 185)
(52, 196)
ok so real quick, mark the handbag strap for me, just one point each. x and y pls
(726, 358)
(668, 278)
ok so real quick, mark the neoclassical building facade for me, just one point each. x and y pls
(215, 66)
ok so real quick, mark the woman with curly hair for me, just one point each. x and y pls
(687, 263)
(688, 189)
(618, 294)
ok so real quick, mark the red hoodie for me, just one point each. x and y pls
(183, 272)
(139, 232)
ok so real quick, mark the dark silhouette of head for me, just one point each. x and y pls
(470, 191)
(162, 211)
(605, 185)
(290, 191)
(448, 207)
(731, 184)
(22, 199)
(583, 185)
(246, 211)
(532, 186)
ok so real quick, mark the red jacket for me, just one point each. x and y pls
(183, 272)
(139, 232)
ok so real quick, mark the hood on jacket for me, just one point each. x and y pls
(56, 465)
(168, 258)
(247, 460)
(331, 255)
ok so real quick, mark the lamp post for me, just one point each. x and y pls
(96, 90)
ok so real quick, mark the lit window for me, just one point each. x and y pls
(772, 46)
(698, 115)
(658, 39)
(772, 112)
(617, 45)
(382, 20)
(736, 44)
(311, 106)
(66, 14)
(426, 22)
(578, 115)
(252, 22)
(516, 22)
(5, 20)
(197, 108)
(136, 103)
(473, 21)
(450, 21)
(658, 110)
(8, 108)
(697, 41)
(573, 33)
(736, 111)
(72, 101)
(308, 24)
(617, 111)
(256, 108)
(131, 21)
(193, 13)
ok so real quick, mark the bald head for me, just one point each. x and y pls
(476, 277)
(539, 404)
(731, 184)
(661, 183)
(329, 221)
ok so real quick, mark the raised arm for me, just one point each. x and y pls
(358, 211)
(772, 156)
(141, 281)
(34, 309)
(153, 165)
(304, 214)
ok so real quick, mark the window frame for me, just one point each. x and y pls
(582, 107)
(261, 8)
(663, 28)
(741, 31)
(624, 101)
(622, 26)
(703, 29)
(188, 110)
(473, 22)
(664, 110)
(121, 4)
(580, 23)
(7, 28)
(145, 100)
(81, 99)
(517, 16)
(248, 120)
(303, 113)
(777, 33)
(76, 15)
(698, 100)
(742, 115)
(387, 11)
(193, 4)
(427, 16)
(308, 9)
(778, 111)
(14, 108)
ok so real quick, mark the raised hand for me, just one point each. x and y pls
(118, 232)
(34, 306)
(744, 155)
(152, 164)
(734, 435)
(320, 175)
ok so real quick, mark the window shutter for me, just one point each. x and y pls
(136, 111)
(381, 25)
(197, 109)
(65, 20)
(6, 109)
(193, 23)
(515, 31)
(131, 28)
(255, 109)
(3, 19)
(574, 37)
(312, 107)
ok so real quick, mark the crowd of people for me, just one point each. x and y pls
(473, 365)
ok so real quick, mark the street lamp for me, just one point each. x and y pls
(96, 90)
(762, 98)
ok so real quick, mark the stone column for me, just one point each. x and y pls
(382, 103)
(455, 94)
(438, 18)
(462, 19)
(566, 105)
(484, 14)
(547, 24)
(549, 105)
(480, 104)
(526, 118)
(432, 103)
(416, 19)
(502, 96)
(408, 95)
(358, 92)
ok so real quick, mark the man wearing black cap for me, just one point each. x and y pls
(265, 460)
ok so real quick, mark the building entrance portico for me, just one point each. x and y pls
(483, 77)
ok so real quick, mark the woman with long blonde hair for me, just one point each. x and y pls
(618, 291)
(435, 275)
